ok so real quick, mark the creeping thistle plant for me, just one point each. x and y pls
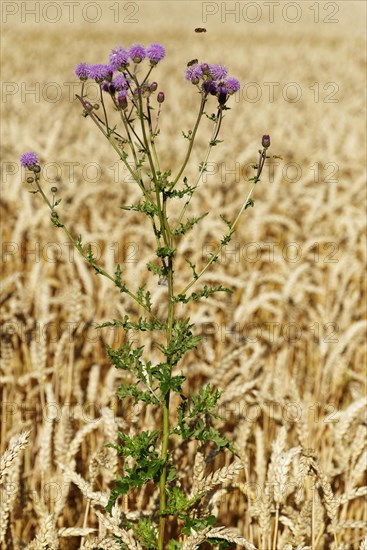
(148, 457)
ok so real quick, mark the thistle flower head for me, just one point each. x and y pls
(108, 87)
(194, 74)
(119, 82)
(29, 160)
(81, 71)
(214, 81)
(232, 85)
(221, 88)
(218, 72)
(155, 53)
(137, 53)
(210, 87)
(119, 58)
(100, 72)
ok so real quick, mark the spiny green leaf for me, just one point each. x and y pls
(138, 446)
(193, 266)
(227, 222)
(148, 208)
(205, 293)
(132, 391)
(144, 299)
(125, 357)
(183, 228)
(90, 254)
(165, 252)
(154, 269)
(143, 325)
(226, 239)
(198, 524)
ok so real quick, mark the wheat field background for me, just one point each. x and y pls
(287, 348)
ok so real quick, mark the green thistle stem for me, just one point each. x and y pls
(192, 139)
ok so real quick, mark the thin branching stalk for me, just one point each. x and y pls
(201, 172)
(192, 138)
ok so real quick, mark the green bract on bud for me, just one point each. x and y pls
(30, 180)
(53, 190)
(160, 97)
(54, 215)
(266, 141)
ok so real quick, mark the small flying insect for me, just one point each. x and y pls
(192, 62)
(200, 29)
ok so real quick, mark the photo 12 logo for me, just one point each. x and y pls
(69, 12)
(271, 12)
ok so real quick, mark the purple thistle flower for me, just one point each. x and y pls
(194, 74)
(155, 53)
(81, 71)
(221, 88)
(232, 85)
(137, 53)
(210, 87)
(214, 81)
(218, 72)
(100, 72)
(108, 87)
(119, 58)
(120, 82)
(29, 160)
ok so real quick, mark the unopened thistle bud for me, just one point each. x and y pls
(160, 97)
(153, 86)
(265, 141)
(205, 68)
(122, 99)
